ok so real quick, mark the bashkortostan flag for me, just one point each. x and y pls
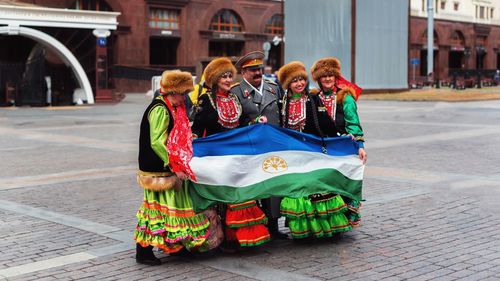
(263, 160)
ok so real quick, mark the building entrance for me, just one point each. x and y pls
(225, 48)
(455, 59)
(163, 51)
(423, 62)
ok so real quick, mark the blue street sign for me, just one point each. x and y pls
(101, 41)
(414, 61)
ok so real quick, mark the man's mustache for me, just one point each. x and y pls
(257, 76)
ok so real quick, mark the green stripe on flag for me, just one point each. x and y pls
(289, 185)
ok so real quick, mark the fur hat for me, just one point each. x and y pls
(216, 68)
(325, 66)
(290, 71)
(175, 81)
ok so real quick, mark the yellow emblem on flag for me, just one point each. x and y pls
(274, 164)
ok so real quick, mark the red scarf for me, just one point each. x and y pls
(179, 142)
(343, 83)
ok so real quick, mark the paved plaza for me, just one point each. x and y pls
(68, 199)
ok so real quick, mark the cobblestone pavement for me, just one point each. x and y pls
(68, 199)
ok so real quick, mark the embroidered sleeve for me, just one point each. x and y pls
(351, 118)
(159, 118)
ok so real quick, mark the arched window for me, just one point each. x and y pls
(226, 20)
(93, 5)
(275, 25)
(457, 38)
(424, 38)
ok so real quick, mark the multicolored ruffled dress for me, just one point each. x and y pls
(244, 222)
(318, 215)
(341, 107)
(166, 218)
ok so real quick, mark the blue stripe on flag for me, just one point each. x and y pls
(270, 138)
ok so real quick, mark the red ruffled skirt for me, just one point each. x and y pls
(245, 223)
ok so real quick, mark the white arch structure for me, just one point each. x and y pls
(17, 19)
(56, 46)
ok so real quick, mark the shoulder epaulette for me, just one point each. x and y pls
(271, 82)
(235, 84)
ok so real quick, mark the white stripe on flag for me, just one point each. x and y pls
(244, 170)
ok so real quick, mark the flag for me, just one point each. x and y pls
(263, 160)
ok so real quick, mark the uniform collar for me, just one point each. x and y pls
(260, 88)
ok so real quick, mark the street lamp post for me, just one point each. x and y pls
(430, 39)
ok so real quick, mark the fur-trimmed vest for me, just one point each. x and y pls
(339, 112)
(148, 160)
(339, 115)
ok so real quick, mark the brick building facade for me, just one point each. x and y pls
(154, 35)
(194, 32)
(466, 38)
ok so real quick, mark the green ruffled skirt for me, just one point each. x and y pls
(315, 216)
(166, 220)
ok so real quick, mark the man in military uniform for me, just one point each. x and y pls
(259, 100)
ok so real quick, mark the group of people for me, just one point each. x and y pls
(166, 218)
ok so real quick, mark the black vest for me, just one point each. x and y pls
(339, 119)
(318, 122)
(148, 160)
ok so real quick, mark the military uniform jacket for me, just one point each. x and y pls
(255, 105)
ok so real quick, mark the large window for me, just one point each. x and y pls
(164, 19)
(275, 25)
(481, 12)
(226, 20)
(93, 5)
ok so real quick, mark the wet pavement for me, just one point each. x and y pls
(68, 199)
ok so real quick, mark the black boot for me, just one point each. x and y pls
(274, 230)
(145, 255)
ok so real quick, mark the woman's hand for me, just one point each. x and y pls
(181, 175)
(362, 155)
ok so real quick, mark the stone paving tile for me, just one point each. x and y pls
(24, 240)
(445, 231)
(434, 157)
(380, 131)
(62, 156)
(122, 266)
(90, 204)
(119, 132)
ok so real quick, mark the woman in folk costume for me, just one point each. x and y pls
(318, 215)
(339, 97)
(166, 218)
(219, 111)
